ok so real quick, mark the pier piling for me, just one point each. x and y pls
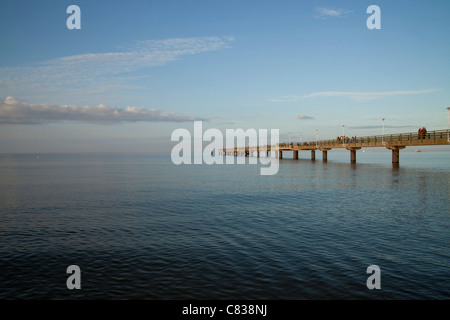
(396, 153)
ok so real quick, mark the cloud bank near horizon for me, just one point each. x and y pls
(13, 111)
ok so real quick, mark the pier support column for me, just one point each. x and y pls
(396, 153)
(353, 153)
(295, 154)
(280, 154)
(313, 154)
(325, 154)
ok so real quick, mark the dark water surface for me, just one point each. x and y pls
(140, 227)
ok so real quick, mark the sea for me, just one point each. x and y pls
(139, 227)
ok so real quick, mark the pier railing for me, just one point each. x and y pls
(394, 142)
(429, 136)
(435, 137)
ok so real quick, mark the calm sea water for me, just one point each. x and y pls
(140, 227)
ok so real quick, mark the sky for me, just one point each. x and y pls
(138, 70)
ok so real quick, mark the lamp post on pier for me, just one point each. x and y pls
(382, 132)
(343, 134)
(317, 137)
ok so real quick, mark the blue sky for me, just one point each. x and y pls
(137, 70)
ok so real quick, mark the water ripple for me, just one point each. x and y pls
(141, 228)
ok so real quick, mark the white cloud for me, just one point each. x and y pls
(13, 111)
(94, 69)
(325, 13)
(367, 95)
(303, 117)
(353, 95)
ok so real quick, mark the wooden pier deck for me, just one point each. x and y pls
(394, 142)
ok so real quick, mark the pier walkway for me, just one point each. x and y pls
(394, 142)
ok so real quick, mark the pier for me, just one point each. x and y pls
(394, 142)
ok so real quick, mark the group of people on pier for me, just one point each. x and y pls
(344, 139)
(422, 133)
